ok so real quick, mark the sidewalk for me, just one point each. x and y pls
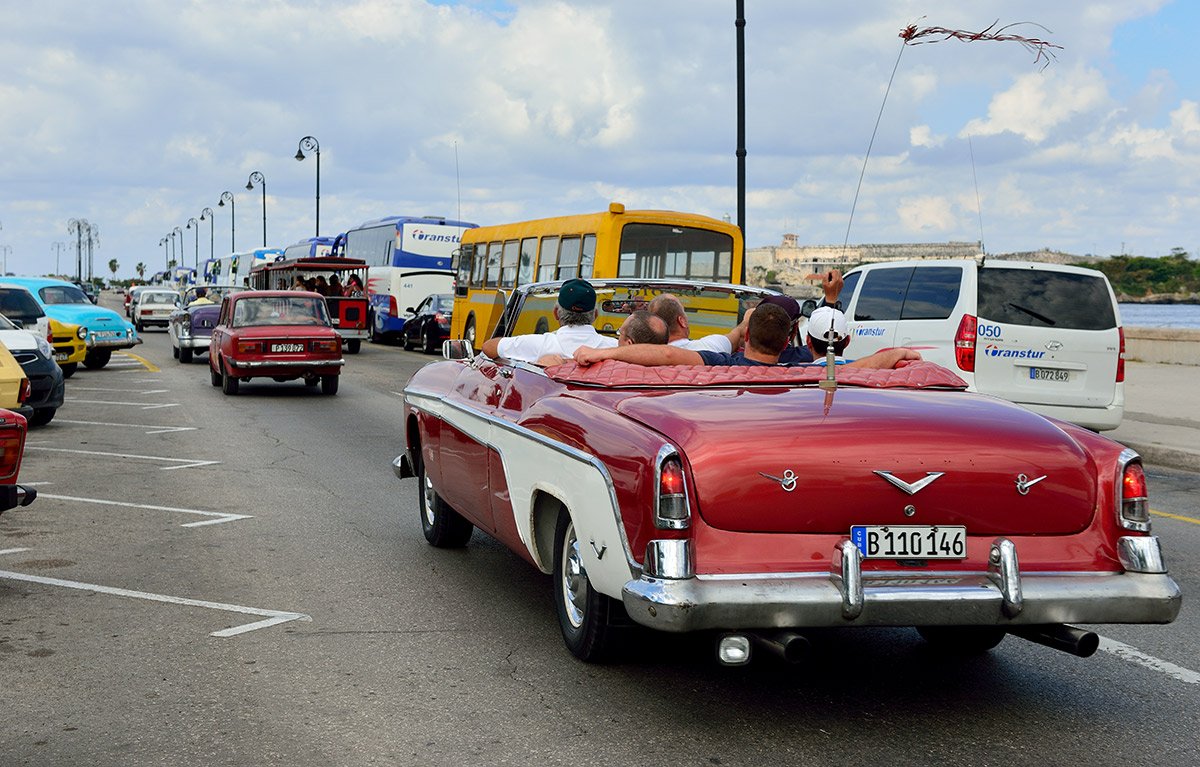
(1162, 414)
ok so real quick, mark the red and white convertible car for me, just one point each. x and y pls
(754, 503)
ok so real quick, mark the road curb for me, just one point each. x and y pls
(1169, 457)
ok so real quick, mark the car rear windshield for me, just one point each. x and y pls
(18, 305)
(1044, 298)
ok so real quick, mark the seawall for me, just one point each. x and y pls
(1172, 346)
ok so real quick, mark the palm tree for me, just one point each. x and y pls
(140, 269)
(112, 267)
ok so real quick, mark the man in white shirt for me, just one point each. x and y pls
(575, 313)
(670, 309)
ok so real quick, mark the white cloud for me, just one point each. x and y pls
(1038, 102)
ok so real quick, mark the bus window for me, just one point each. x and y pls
(548, 260)
(466, 257)
(568, 258)
(508, 273)
(480, 261)
(493, 263)
(528, 256)
(659, 250)
(589, 256)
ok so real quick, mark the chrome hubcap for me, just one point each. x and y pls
(429, 499)
(574, 580)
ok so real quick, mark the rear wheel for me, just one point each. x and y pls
(229, 384)
(185, 355)
(69, 368)
(377, 336)
(408, 341)
(214, 377)
(583, 612)
(443, 527)
(329, 385)
(469, 332)
(97, 358)
(43, 416)
(138, 326)
(353, 345)
(312, 381)
(175, 352)
(962, 640)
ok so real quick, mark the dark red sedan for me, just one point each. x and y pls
(277, 334)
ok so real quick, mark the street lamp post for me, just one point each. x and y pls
(76, 226)
(194, 224)
(57, 246)
(177, 230)
(258, 178)
(6, 249)
(232, 220)
(311, 144)
(209, 213)
(93, 238)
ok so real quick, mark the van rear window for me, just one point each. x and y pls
(1046, 299)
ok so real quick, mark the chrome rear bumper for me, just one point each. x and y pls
(849, 597)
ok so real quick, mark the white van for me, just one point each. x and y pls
(1045, 336)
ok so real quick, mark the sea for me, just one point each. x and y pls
(1160, 315)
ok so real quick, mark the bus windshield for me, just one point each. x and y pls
(661, 251)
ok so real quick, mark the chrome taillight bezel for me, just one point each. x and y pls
(662, 521)
(1142, 503)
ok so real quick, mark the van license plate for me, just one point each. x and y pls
(1047, 374)
(287, 347)
(910, 541)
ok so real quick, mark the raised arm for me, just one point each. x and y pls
(639, 354)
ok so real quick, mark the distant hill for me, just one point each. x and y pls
(1165, 279)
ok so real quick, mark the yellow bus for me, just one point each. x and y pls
(656, 244)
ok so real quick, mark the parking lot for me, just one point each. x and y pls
(208, 579)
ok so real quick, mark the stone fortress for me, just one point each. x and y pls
(788, 264)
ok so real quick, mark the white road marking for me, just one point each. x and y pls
(12, 551)
(273, 617)
(1134, 655)
(219, 516)
(186, 463)
(142, 405)
(153, 429)
(125, 391)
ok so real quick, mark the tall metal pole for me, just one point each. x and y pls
(209, 212)
(57, 246)
(194, 224)
(257, 178)
(741, 128)
(179, 261)
(76, 226)
(311, 144)
(92, 239)
(232, 220)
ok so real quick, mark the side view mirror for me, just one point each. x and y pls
(457, 349)
(410, 310)
(806, 308)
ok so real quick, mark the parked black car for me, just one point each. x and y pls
(36, 358)
(429, 323)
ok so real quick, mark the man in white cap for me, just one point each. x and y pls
(827, 328)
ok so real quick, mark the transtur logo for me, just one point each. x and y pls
(868, 331)
(421, 234)
(1017, 354)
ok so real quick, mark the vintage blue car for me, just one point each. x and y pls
(102, 330)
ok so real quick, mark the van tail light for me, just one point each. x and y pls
(1135, 504)
(670, 501)
(964, 343)
(392, 306)
(26, 390)
(1121, 356)
(249, 347)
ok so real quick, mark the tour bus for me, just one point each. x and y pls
(616, 243)
(235, 268)
(313, 247)
(347, 308)
(408, 258)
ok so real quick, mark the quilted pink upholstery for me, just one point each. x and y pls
(614, 374)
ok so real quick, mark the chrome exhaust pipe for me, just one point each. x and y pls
(1060, 636)
(788, 645)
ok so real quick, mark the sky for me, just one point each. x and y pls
(136, 115)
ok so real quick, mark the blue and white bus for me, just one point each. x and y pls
(313, 247)
(408, 258)
(234, 269)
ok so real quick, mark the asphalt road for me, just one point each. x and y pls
(352, 642)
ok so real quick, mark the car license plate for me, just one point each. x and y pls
(106, 333)
(1049, 374)
(287, 347)
(61, 356)
(910, 541)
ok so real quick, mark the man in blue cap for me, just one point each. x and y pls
(575, 312)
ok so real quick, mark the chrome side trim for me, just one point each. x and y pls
(1005, 572)
(670, 558)
(559, 447)
(1141, 554)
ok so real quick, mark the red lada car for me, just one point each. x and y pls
(277, 334)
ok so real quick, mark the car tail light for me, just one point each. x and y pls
(670, 501)
(12, 443)
(1121, 356)
(147, 311)
(248, 347)
(964, 343)
(1135, 505)
(325, 346)
(392, 306)
(26, 390)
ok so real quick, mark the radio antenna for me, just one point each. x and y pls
(457, 181)
(978, 206)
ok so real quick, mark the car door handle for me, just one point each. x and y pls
(506, 372)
